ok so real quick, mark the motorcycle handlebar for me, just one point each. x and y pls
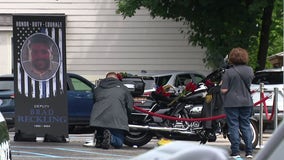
(216, 75)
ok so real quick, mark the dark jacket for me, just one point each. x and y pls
(112, 104)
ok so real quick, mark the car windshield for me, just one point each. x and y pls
(162, 80)
(6, 84)
(268, 78)
(198, 78)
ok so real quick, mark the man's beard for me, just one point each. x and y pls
(41, 65)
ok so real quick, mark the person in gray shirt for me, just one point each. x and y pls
(237, 101)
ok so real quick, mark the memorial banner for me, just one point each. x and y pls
(39, 48)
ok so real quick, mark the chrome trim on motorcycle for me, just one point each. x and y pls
(165, 129)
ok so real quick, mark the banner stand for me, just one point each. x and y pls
(39, 51)
(24, 137)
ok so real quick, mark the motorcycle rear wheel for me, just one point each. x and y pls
(254, 130)
(138, 138)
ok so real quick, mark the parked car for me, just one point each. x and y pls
(5, 152)
(79, 95)
(178, 79)
(271, 78)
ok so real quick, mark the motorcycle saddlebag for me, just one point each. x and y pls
(135, 85)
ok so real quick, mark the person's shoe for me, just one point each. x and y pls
(98, 144)
(89, 144)
(249, 156)
(235, 156)
(106, 139)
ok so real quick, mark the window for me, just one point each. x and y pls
(80, 85)
(182, 80)
(198, 78)
(6, 84)
(163, 80)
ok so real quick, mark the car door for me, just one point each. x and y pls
(80, 99)
(7, 102)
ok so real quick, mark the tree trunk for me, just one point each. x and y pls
(264, 34)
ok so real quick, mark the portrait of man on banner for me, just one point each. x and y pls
(40, 57)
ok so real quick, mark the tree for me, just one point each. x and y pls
(217, 25)
(276, 29)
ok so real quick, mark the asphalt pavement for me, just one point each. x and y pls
(74, 149)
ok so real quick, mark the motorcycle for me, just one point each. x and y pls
(197, 104)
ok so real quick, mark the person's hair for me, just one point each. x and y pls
(238, 56)
(111, 74)
(40, 38)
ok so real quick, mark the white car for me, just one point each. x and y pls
(178, 80)
(271, 78)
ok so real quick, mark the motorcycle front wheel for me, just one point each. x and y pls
(137, 138)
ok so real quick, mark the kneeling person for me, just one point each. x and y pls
(109, 116)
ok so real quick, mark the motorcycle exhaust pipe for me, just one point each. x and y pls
(163, 129)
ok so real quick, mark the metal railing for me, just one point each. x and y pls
(275, 104)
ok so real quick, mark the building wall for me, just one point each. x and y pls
(99, 40)
(5, 48)
(5, 44)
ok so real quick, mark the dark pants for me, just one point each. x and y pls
(238, 120)
(117, 136)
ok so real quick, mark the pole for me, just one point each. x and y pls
(260, 118)
(275, 108)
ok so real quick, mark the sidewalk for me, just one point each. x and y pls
(75, 150)
(225, 144)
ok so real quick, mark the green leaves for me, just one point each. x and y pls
(4, 132)
(127, 7)
(217, 25)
